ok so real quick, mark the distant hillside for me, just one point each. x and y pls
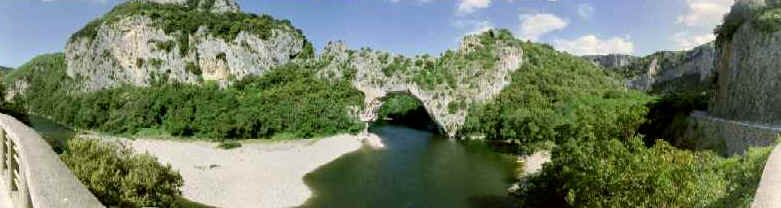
(5, 69)
(664, 71)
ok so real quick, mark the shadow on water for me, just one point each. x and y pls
(55, 134)
(416, 169)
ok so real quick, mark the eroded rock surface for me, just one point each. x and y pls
(446, 103)
(136, 51)
(664, 71)
(748, 76)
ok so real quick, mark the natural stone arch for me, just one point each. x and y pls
(374, 106)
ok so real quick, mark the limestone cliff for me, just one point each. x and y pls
(143, 42)
(664, 71)
(446, 85)
(137, 43)
(748, 47)
(611, 60)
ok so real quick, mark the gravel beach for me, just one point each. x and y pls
(258, 174)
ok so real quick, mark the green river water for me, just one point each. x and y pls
(416, 169)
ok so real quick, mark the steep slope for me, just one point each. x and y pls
(446, 85)
(163, 44)
(142, 41)
(748, 48)
(665, 71)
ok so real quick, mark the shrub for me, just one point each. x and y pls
(398, 106)
(289, 99)
(612, 173)
(555, 97)
(119, 177)
(668, 117)
(229, 145)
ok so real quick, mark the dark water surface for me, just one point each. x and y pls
(55, 134)
(417, 169)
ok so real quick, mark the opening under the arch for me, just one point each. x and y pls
(406, 110)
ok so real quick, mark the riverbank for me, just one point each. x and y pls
(258, 174)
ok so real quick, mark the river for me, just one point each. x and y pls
(416, 169)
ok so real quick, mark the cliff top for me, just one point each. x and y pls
(221, 18)
(217, 6)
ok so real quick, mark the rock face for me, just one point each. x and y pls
(748, 81)
(135, 51)
(665, 71)
(446, 104)
(611, 60)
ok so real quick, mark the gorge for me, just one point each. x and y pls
(196, 103)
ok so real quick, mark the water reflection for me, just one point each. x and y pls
(417, 169)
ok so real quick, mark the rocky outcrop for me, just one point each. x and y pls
(135, 50)
(664, 71)
(611, 60)
(748, 81)
(446, 103)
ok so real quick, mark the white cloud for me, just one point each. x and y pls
(536, 25)
(592, 45)
(585, 11)
(686, 41)
(704, 13)
(469, 6)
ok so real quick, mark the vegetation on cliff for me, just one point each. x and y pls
(182, 21)
(765, 18)
(290, 100)
(556, 97)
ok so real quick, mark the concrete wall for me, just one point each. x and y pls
(44, 179)
(730, 137)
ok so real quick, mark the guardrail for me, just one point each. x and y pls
(33, 175)
(769, 189)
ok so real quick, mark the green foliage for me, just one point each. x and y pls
(222, 56)
(139, 62)
(166, 46)
(768, 20)
(398, 106)
(185, 20)
(398, 64)
(611, 173)
(193, 68)
(455, 106)
(307, 53)
(668, 116)
(556, 96)
(765, 18)
(444, 70)
(156, 62)
(289, 99)
(229, 145)
(118, 177)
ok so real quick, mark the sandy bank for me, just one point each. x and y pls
(259, 174)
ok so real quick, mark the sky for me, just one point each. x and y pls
(413, 27)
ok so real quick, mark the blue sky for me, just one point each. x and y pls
(410, 27)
